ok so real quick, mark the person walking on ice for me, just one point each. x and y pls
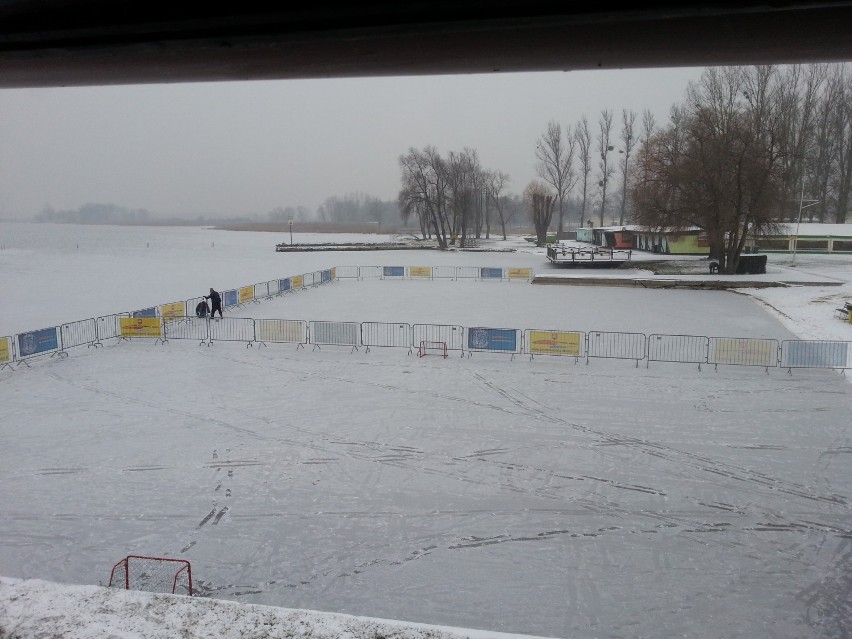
(215, 303)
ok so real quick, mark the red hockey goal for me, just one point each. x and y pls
(152, 574)
(432, 348)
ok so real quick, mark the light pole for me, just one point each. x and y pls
(291, 232)
(802, 206)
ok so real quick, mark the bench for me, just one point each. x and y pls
(844, 311)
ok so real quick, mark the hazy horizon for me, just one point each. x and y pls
(233, 149)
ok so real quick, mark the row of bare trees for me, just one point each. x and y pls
(748, 148)
(453, 198)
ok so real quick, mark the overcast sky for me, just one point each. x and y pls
(247, 147)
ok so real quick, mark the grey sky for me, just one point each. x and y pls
(248, 147)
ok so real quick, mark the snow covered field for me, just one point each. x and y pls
(540, 497)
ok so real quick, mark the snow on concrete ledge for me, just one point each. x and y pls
(36, 608)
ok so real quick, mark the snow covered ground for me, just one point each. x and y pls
(543, 497)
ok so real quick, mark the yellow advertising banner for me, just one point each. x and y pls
(332, 273)
(272, 330)
(297, 281)
(555, 343)
(420, 271)
(519, 273)
(748, 352)
(140, 327)
(170, 311)
(5, 350)
(246, 294)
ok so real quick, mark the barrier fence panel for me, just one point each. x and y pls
(297, 282)
(107, 326)
(261, 291)
(187, 328)
(246, 294)
(145, 312)
(370, 272)
(273, 288)
(467, 272)
(326, 277)
(494, 340)
(307, 280)
(79, 333)
(490, 273)
(386, 335)
(173, 309)
(284, 286)
(686, 349)
(191, 304)
(393, 272)
(816, 354)
(281, 331)
(541, 342)
(335, 333)
(615, 345)
(230, 298)
(7, 352)
(452, 336)
(420, 272)
(145, 327)
(231, 329)
(519, 274)
(35, 343)
(346, 272)
(443, 272)
(741, 351)
(317, 278)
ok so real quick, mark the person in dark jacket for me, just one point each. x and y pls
(202, 309)
(215, 303)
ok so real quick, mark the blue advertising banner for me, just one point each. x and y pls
(393, 271)
(491, 273)
(230, 298)
(492, 339)
(326, 276)
(284, 285)
(815, 354)
(146, 312)
(37, 342)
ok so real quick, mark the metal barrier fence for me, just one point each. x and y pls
(386, 335)
(188, 328)
(691, 349)
(564, 343)
(231, 329)
(452, 336)
(481, 273)
(741, 351)
(7, 352)
(79, 333)
(494, 340)
(281, 331)
(40, 342)
(335, 334)
(816, 354)
(616, 345)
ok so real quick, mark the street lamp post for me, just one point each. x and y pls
(291, 232)
(802, 206)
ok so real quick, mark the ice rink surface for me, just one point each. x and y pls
(544, 496)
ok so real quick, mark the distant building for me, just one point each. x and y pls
(811, 238)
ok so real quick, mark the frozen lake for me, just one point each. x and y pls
(541, 497)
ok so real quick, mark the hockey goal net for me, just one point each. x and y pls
(432, 348)
(152, 574)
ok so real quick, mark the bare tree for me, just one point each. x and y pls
(555, 155)
(628, 139)
(583, 136)
(716, 166)
(540, 203)
(604, 147)
(424, 191)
